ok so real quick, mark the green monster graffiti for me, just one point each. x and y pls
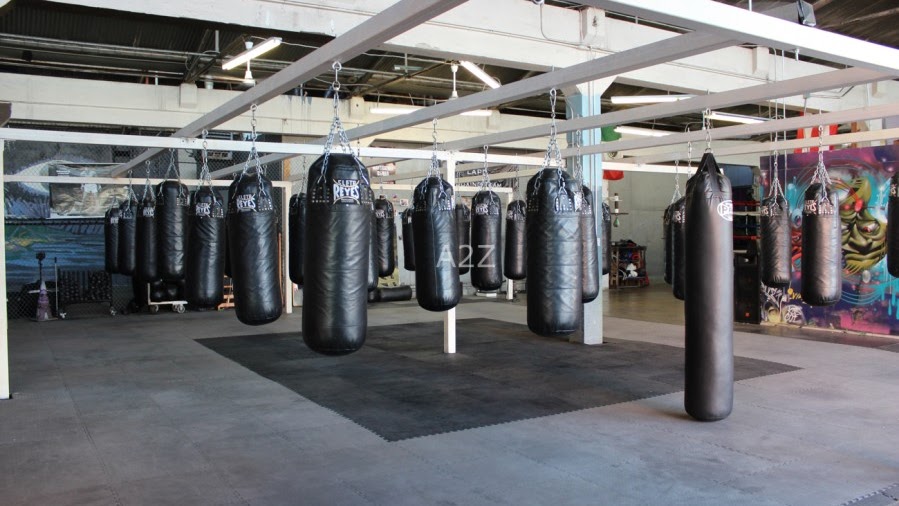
(864, 237)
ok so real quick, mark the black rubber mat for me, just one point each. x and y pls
(401, 385)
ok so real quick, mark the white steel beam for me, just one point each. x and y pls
(394, 20)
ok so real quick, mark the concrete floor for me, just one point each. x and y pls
(130, 410)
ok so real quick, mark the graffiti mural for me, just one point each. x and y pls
(860, 179)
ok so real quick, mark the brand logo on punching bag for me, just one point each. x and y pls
(894, 190)
(246, 202)
(818, 208)
(481, 209)
(347, 190)
(203, 209)
(148, 212)
(726, 210)
(114, 220)
(380, 214)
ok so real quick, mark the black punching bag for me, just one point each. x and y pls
(385, 237)
(822, 281)
(172, 202)
(606, 239)
(463, 237)
(205, 262)
(893, 226)
(679, 248)
(230, 192)
(297, 229)
(146, 266)
(437, 285)
(668, 242)
(776, 251)
(408, 240)
(590, 276)
(486, 241)
(515, 263)
(372, 244)
(253, 242)
(338, 224)
(127, 236)
(709, 305)
(111, 239)
(555, 253)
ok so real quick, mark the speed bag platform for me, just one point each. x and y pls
(437, 285)
(205, 267)
(172, 203)
(822, 242)
(336, 266)
(486, 241)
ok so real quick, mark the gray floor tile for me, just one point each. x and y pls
(195, 489)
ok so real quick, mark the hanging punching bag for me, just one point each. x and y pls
(776, 250)
(679, 248)
(486, 241)
(606, 239)
(204, 269)
(667, 241)
(338, 223)
(127, 236)
(408, 240)
(709, 304)
(590, 257)
(372, 244)
(437, 286)
(296, 229)
(253, 241)
(385, 234)
(111, 239)
(172, 202)
(146, 266)
(463, 237)
(893, 227)
(515, 262)
(822, 281)
(555, 254)
(231, 188)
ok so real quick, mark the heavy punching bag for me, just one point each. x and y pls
(667, 241)
(385, 237)
(437, 283)
(408, 240)
(679, 248)
(146, 266)
(776, 250)
(127, 236)
(296, 228)
(111, 239)
(606, 239)
(515, 261)
(204, 269)
(372, 244)
(463, 237)
(338, 223)
(172, 203)
(590, 256)
(555, 254)
(253, 242)
(486, 241)
(893, 227)
(822, 281)
(709, 303)
(231, 188)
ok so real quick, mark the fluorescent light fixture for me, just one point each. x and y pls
(647, 99)
(645, 132)
(252, 52)
(392, 111)
(736, 118)
(480, 74)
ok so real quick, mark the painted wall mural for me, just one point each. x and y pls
(860, 178)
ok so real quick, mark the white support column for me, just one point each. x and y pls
(449, 316)
(4, 327)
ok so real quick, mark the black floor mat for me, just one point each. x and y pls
(401, 384)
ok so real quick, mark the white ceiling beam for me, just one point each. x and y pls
(394, 20)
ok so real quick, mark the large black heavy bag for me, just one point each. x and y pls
(555, 254)
(606, 239)
(253, 242)
(679, 248)
(515, 261)
(668, 244)
(172, 203)
(338, 229)
(230, 192)
(127, 237)
(776, 250)
(486, 241)
(463, 237)
(385, 236)
(296, 227)
(372, 245)
(893, 227)
(146, 262)
(408, 240)
(204, 271)
(111, 239)
(822, 280)
(590, 256)
(437, 285)
(709, 304)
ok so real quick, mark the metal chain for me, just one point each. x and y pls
(337, 128)
(131, 194)
(677, 194)
(434, 167)
(147, 186)
(821, 175)
(553, 153)
(578, 167)
(707, 126)
(485, 181)
(776, 188)
(205, 177)
(254, 157)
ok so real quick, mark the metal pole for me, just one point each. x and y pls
(4, 331)
(449, 316)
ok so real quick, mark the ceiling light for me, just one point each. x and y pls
(252, 52)
(480, 74)
(646, 132)
(392, 111)
(735, 118)
(647, 99)
(248, 76)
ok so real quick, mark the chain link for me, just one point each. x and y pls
(337, 128)
(578, 166)
(253, 158)
(485, 181)
(707, 126)
(821, 175)
(147, 186)
(553, 153)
